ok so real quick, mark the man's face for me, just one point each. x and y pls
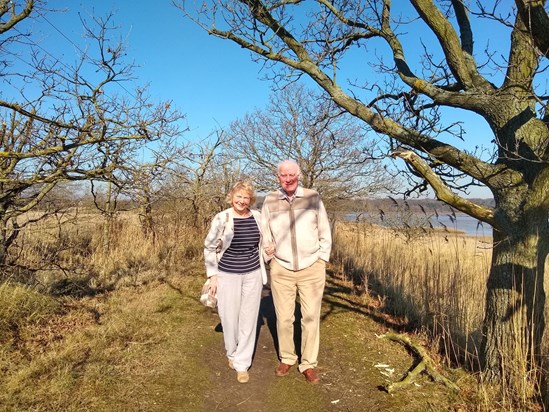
(288, 176)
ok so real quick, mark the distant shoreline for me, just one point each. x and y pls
(452, 223)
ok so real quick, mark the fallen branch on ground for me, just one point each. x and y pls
(426, 364)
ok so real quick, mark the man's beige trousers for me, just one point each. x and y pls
(308, 284)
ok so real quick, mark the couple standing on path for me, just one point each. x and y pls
(292, 235)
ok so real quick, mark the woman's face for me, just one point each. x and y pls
(241, 201)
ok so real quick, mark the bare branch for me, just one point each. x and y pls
(442, 191)
(11, 16)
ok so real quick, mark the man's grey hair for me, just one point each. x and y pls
(289, 161)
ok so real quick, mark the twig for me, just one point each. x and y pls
(245, 400)
(426, 365)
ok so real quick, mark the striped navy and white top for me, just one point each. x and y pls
(242, 255)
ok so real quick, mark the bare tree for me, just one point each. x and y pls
(67, 122)
(106, 202)
(332, 148)
(409, 99)
(200, 178)
(144, 190)
(144, 180)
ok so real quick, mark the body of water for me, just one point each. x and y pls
(464, 223)
(459, 222)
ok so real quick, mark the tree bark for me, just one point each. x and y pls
(108, 213)
(515, 303)
(146, 216)
(3, 247)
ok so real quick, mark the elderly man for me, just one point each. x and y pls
(298, 239)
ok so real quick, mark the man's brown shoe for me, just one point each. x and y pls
(282, 369)
(311, 376)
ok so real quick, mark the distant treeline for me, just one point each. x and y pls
(389, 204)
(416, 205)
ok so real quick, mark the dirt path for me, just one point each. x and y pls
(354, 364)
(226, 394)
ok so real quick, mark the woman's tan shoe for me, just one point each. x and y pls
(242, 377)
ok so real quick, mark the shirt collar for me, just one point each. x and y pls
(283, 195)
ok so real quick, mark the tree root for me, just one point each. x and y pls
(426, 364)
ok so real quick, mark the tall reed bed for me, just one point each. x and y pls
(431, 279)
(435, 280)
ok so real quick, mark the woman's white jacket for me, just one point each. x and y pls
(221, 228)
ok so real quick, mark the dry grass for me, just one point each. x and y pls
(435, 282)
(73, 320)
(108, 353)
(438, 280)
(86, 317)
(77, 251)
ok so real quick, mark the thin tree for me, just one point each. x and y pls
(199, 178)
(409, 98)
(144, 180)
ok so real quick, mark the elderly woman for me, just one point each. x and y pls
(236, 269)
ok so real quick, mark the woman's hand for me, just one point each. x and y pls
(269, 250)
(213, 285)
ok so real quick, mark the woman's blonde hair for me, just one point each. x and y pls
(245, 186)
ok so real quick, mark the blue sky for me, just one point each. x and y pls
(212, 81)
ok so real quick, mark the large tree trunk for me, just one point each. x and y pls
(514, 320)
